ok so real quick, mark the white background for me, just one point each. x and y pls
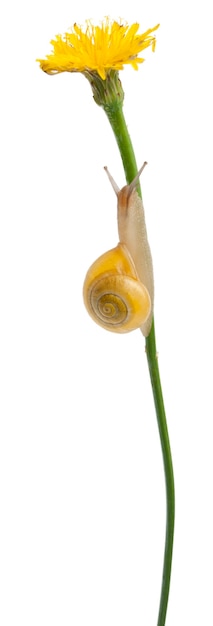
(82, 489)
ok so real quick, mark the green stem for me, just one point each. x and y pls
(116, 118)
(152, 358)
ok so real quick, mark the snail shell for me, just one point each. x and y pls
(113, 295)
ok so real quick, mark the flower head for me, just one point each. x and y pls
(98, 49)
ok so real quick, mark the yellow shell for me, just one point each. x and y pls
(113, 295)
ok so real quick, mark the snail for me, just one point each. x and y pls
(118, 289)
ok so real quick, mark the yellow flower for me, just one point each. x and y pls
(98, 49)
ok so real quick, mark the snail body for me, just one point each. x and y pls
(119, 288)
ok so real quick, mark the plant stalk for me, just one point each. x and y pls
(118, 124)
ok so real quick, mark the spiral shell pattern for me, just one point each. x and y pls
(117, 301)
